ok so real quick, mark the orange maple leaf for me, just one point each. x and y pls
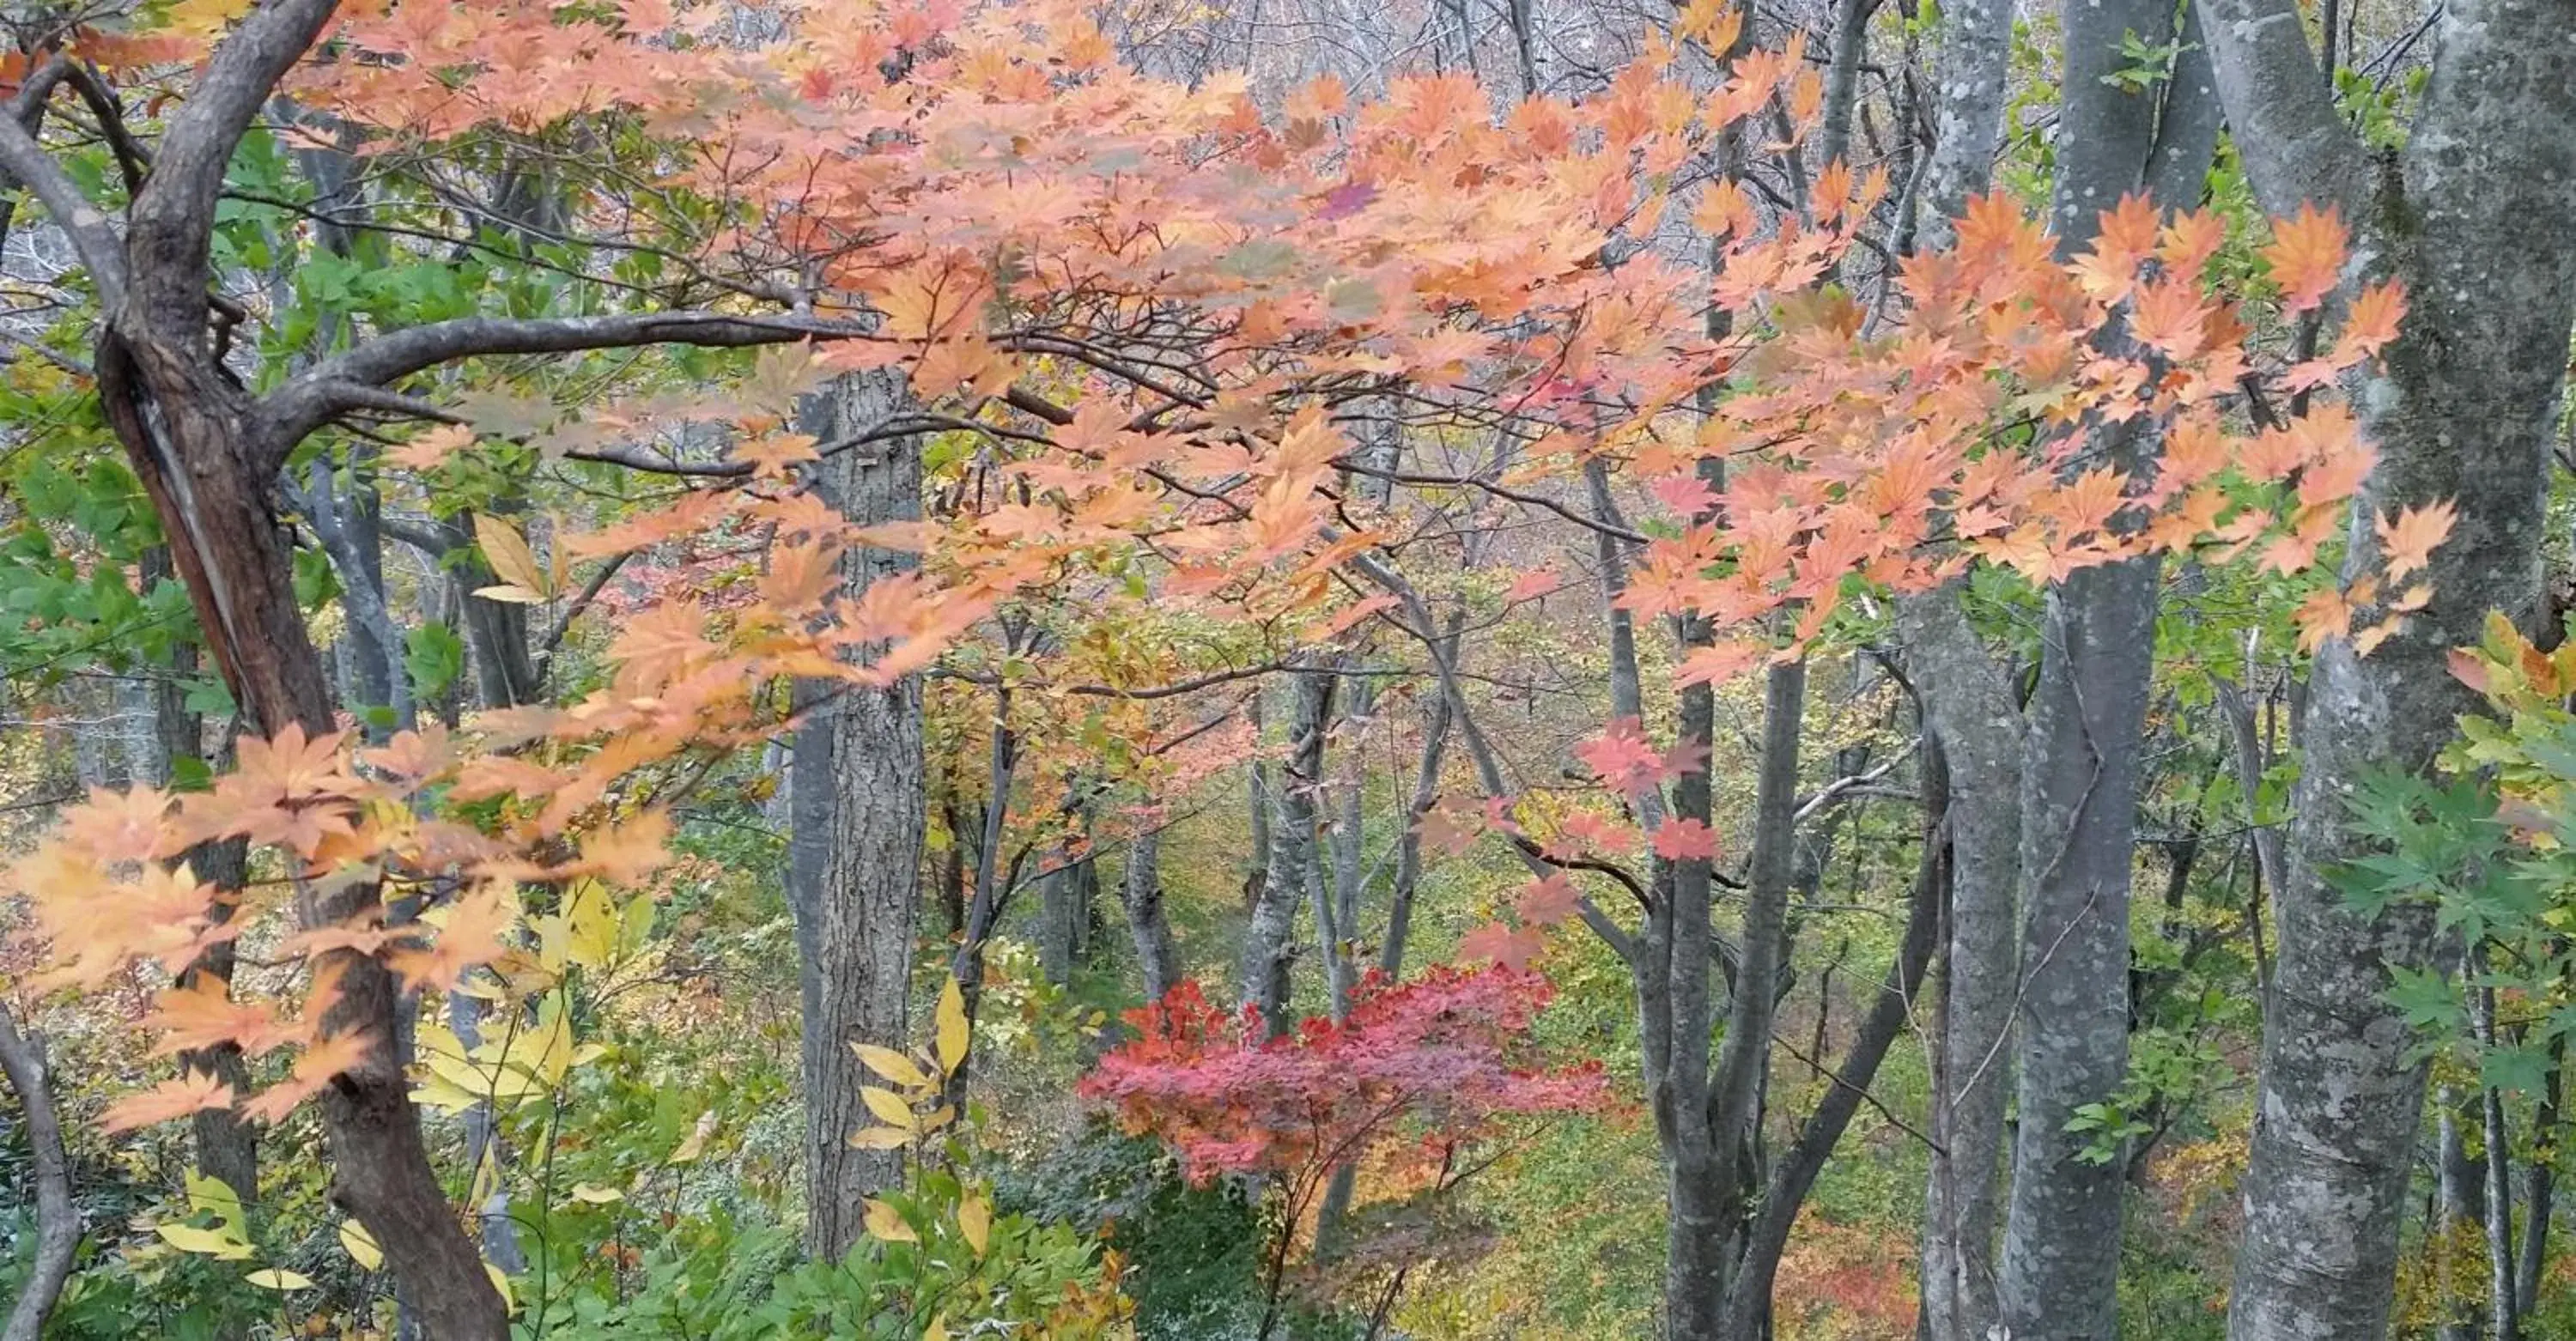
(175, 1098)
(2306, 255)
(203, 1014)
(314, 1069)
(2407, 540)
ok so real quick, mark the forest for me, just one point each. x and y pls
(1278, 670)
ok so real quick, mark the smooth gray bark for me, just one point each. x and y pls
(1971, 715)
(2477, 215)
(1974, 722)
(58, 1222)
(2059, 1273)
(1147, 923)
(867, 903)
(1976, 43)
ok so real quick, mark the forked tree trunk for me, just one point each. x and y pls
(191, 436)
(2477, 216)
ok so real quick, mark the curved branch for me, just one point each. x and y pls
(28, 165)
(174, 215)
(315, 396)
(57, 1220)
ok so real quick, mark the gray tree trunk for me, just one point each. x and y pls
(2538, 1184)
(2477, 215)
(1971, 713)
(2059, 1274)
(1269, 943)
(1147, 922)
(1968, 701)
(58, 1221)
(864, 909)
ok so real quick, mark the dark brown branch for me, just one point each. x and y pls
(172, 219)
(318, 395)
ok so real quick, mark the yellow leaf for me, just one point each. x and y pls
(880, 1138)
(885, 1224)
(501, 1287)
(887, 1105)
(223, 1244)
(204, 20)
(892, 1065)
(690, 1148)
(952, 1028)
(975, 1221)
(278, 1278)
(937, 1330)
(591, 1194)
(939, 1117)
(360, 1245)
(508, 594)
(590, 925)
(508, 553)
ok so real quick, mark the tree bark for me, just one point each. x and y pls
(2060, 1269)
(868, 901)
(1269, 943)
(2477, 215)
(58, 1224)
(2539, 1184)
(1147, 922)
(1800, 1165)
(1977, 727)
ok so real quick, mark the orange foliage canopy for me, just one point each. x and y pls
(1167, 304)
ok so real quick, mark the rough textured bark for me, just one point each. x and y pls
(1147, 922)
(2477, 216)
(58, 1225)
(192, 437)
(869, 898)
(1269, 943)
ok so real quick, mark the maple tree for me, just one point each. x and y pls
(1418, 1070)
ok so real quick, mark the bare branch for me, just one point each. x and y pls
(58, 1221)
(317, 395)
(26, 163)
(2295, 147)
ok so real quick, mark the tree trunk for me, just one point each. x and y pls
(2459, 1186)
(1269, 943)
(1975, 724)
(2060, 1270)
(2538, 1184)
(868, 901)
(190, 434)
(1408, 844)
(1750, 1301)
(2459, 412)
(1977, 728)
(1147, 922)
(2503, 1323)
